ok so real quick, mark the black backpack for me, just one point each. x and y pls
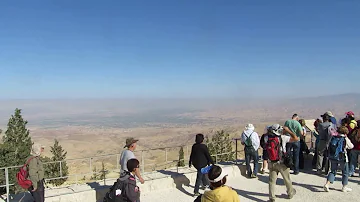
(117, 191)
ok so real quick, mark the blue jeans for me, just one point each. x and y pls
(295, 146)
(353, 161)
(200, 178)
(345, 171)
(252, 156)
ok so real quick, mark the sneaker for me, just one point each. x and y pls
(196, 194)
(346, 189)
(253, 176)
(262, 171)
(319, 172)
(326, 188)
(292, 194)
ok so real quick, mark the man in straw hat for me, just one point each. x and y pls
(128, 154)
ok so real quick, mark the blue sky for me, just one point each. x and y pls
(171, 48)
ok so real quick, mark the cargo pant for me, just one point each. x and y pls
(39, 193)
(276, 168)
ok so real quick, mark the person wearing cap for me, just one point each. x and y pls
(219, 191)
(278, 166)
(295, 127)
(323, 143)
(332, 118)
(128, 154)
(351, 122)
(36, 173)
(249, 136)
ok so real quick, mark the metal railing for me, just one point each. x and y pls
(145, 167)
(169, 159)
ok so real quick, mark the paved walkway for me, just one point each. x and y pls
(309, 188)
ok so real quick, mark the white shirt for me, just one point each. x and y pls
(254, 138)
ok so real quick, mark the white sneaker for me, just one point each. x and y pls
(346, 189)
(326, 188)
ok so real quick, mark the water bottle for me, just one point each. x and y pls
(206, 169)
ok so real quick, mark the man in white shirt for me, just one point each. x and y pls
(127, 155)
(251, 140)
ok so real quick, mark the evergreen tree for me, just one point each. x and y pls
(17, 136)
(220, 144)
(47, 169)
(181, 162)
(53, 169)
(95, 174)
(103, 171)
(16, 145)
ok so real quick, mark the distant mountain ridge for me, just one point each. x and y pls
(162, 112)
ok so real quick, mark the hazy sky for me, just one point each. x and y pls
(173, 48)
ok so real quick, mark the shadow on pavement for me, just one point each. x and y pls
(179, 179)
(313, 188)
(100, 190)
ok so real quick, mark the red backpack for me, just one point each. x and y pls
(23, 174)
(273, 148)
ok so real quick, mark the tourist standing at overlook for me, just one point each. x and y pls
(323, 130)
(36, 173)
(128, 154)
(275, 144)
(265, 155)
(295, 127)
(355, 152)
(350, 121)
(250, 139)
(200, 158)
(338, 157)
(316, 135)
(303, 145)
(219, 191)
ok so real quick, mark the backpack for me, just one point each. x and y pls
(336, 148)
(332, 131)
(23, 174)
(273, 148)
(117, 192)
(248, 145)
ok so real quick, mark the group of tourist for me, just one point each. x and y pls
(337, 146)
